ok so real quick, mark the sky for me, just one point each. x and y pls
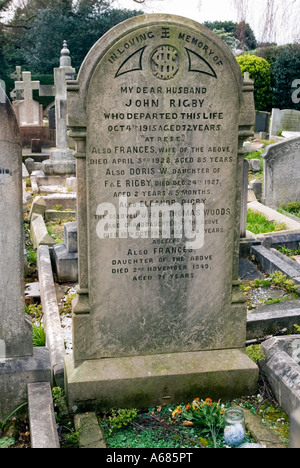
(286, 27)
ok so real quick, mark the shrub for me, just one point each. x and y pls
(285, 68)
(260, 71)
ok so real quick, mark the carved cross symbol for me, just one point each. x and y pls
(27, 85)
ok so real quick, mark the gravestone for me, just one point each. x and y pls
(287, 120)
(51, 116)
(61, 161)
(17, 95)
(282, 173)
(262, 122)
(19, 363)
(28, 111)
(159, 113)
(13, 324)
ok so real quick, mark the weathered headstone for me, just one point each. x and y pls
(282, 173)
(19, 362)
(159, 115)
(284, 120)
(15, 330)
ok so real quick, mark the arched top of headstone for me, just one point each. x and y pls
(202, 51)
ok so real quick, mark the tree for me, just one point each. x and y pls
(38, 30)
(228, 38)
(4, 6)
(285, 69)
(241, 31)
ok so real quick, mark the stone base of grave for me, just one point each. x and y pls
(61, 162)
(16, 373)
(145, 381)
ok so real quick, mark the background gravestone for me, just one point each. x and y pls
(156, 113)
(284, 120)
(262, 122)
(28, 111)
(281, 173)
(51, 115)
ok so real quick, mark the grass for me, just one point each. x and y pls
(288, 252)
(292, 208)
(38, 331)
(56, 230)
(38, 335)
(259, 224)
(256, 155)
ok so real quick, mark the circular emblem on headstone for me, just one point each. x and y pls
(165, 62)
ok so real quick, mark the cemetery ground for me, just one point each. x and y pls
(162, 426)
(158, 427)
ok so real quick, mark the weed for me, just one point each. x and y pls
(255, 353)
(60, 404)
(71, 440)
(6, 442)
(31, 255)
(67, 308)
(55, 229)
(28, 182)
(69, 437)
(3, 423)
(57, 207)
(281, 280)
(292, 208)
(38, 335)
(297, 328)
(288, 252)
(276, 280)
(35, 311)
(121, 418)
